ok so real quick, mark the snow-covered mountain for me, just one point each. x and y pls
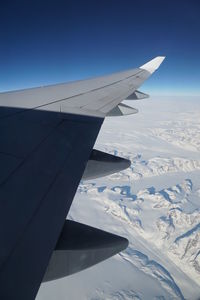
(155, 204)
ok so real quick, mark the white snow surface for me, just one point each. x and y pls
(155, 204)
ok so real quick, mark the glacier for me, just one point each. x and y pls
(155, 204)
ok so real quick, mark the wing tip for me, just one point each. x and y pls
(153, 64)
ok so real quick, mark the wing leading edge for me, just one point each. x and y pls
(46, 137)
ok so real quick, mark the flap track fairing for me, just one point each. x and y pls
(122, 110)
(102, 164)
(137, 95)
(80, 247)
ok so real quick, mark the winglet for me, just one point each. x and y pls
(153, 64)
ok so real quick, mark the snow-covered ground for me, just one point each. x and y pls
(155, 204)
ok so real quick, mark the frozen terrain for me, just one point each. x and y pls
(155, 204)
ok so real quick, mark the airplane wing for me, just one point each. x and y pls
(46, 138)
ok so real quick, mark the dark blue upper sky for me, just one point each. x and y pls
(44, 42)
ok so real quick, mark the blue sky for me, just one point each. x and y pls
(56, 41)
